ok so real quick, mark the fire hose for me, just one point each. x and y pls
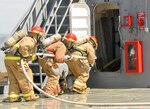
(66, 56)
(79, 103)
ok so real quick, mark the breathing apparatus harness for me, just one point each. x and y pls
(79, 49)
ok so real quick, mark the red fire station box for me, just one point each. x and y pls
(133, 56)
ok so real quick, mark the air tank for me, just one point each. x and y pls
(83, 39)
(51, 39)
(14, 39)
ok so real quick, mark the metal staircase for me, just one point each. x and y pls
(52, 16)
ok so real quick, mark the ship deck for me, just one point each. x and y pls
(137, 98)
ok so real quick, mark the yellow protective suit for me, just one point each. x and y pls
(50, 67)
(80, 67)
(18, 81)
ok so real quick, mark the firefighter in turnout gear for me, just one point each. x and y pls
(50, 66)
(23, 49)
(93, 41)
(81, 67)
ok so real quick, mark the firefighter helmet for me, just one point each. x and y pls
(38, 30)
(71, 37)
(69, 40)
(94, 41)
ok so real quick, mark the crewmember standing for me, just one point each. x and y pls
(50, 66)
(23, 48)
(81, 67)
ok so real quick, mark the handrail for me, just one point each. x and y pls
(26, 18)
(29, 14)
(48, 15)
(53, 17)
(64, 16)
(42, 10)
(21, 22)
(25, 21)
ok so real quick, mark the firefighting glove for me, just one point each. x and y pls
(3, 48)
(31, 57)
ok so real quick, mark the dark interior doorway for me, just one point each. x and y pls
(106, 23)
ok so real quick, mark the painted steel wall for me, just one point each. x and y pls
(121, 79)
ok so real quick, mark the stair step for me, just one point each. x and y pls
(38, 74)
(61, 7)
(59, 24)
(48, 35)
(62, 30)
(38, 84)
(61, 10)
(59, 19)
(60, 15)
(34, 64)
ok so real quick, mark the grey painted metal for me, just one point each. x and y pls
(121, 79)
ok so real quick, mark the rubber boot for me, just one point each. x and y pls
(79, 87)
(54, 91)
(84, 91)
(10, 100)
(32, 98)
